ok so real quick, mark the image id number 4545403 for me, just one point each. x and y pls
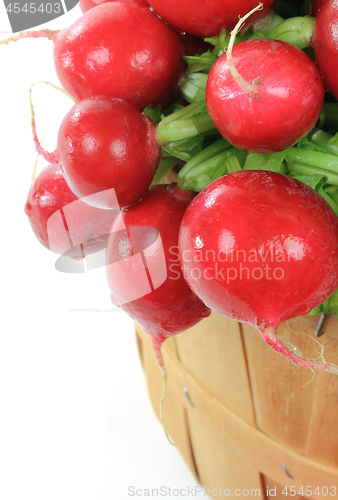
(308, 491)
(33, 7)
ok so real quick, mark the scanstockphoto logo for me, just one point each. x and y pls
(21, 15)
(142, 267)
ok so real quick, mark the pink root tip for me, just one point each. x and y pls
(270, 336)
(157, 344)
(31, 34)
(53, 157)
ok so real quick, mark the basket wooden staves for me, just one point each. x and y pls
(241, 416)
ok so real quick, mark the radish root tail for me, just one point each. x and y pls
(270, 336)
(36, 162)
(54, 156)
(248, 88)
(164, 389)
(320, 357)
(31, 34)
(158, 353)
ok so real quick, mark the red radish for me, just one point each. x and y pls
(326, 44)
(206, 18)
(322, 37)
(117, 49)
(168, 306)
(261, 247)
(320, 34)
(48, 194)
(123, 50)
(316, 6)
(89, 4)
(104, 144)
(143, 270)
(265, 96)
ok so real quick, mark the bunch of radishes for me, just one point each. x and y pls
(235, 116)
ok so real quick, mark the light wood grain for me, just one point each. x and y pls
(330, 325)
(281, 392)
(323, 432)
(244, 440)
(220, 469)
(212, 352)
(174, 413)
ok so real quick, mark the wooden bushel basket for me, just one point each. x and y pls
(241, 415)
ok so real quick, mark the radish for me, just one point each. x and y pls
(192, 43)
(326, 45)
(261, 247)
(204, 19)
(118, 49)
(264, 95)
(316, 6)
(319, 33)
(143, 269)
(104, 144)
(170, 307)
(89, 227)
(89, 4)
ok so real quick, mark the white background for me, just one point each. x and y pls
(75, 418)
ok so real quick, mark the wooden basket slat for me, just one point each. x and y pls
(330, 327)
(323, 433)
(171, 344)
(174, 414)
(219, 468)
(282, 395)
(212, 352)
(139, 343)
